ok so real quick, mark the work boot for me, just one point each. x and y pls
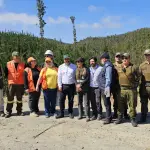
(60, 116)
(143, 118)
(8, 115)
(71, 116)
(20, 114)
(99, 117)
(133, 122)
(107, 121)
(115, 115)
(119, 120)
(2, 114)
(87, 119)
(93, 117)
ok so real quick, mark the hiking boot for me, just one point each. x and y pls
(33, 114)
(71, 116)
(8, 115)
(107, 121)
(99, 117)
(20, 114)
(115, 116)
(133, 122)
(127, 117)
(93, 118)
(119, 120)
(87, 119)
(2, 114)
(60, 116)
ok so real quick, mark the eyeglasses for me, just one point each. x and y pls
(125, 58)
(48, 61)
(48, 55)
(118, 56)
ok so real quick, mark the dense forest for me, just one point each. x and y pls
(28, 45)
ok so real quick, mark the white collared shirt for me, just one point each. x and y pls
(66, 74)
(92, 72)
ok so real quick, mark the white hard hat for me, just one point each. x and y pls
(49, 52)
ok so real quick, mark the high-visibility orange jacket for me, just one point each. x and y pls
(15, 76)
(31, 86)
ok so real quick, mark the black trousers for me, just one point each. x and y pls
(107, 104)
(14, 90)
(67, 90)
(34, 101)
(95, 99)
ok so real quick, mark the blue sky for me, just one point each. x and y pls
(93, 17)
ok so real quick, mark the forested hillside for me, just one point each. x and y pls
(134, 42)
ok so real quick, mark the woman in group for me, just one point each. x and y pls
(82, 87)
(31, 75)
(48, 79)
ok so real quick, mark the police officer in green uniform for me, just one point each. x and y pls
(145, 85)
(116, 88)
(128, 80)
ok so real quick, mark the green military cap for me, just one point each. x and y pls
(126, 55)
(15, 53)
(118, 54)
(147, 52)
(66, 56)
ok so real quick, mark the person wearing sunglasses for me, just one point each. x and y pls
(31, 75)
(48, 79)
(145, 85)
(82, 88)
(50, 54)
(116, 87)
(128, 80)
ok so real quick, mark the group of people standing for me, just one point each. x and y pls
(91, 84)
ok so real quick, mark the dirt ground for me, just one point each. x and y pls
(28, 133)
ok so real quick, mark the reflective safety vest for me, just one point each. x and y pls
(44, 82)
(30, 79)
(15, 76)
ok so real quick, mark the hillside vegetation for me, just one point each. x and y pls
(134, 42)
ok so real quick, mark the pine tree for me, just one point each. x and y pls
(41, 12)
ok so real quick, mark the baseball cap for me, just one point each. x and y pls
(126, 55)
(30, 59)
(118, 54)
(66, 56)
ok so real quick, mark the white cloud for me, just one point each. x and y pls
(14, 18)
(106, 22)
(1, 3)
(59, 20)
(93, 8)
(111, 22)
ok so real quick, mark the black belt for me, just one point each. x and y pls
(69, 84)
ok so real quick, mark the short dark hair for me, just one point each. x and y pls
(94, 58)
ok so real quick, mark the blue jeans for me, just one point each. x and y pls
(50, 100)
